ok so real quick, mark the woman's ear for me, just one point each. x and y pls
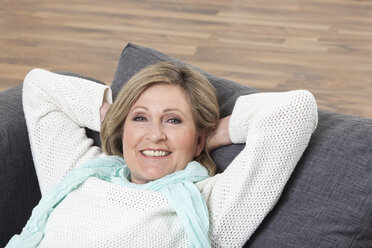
(202, 135)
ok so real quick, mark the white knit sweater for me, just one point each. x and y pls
(276, 128)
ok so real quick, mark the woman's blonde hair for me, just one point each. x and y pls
(199, 91)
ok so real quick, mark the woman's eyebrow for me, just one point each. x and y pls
(172, 109)
(165, 110)
(139, 107)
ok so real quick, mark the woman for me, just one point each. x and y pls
(164, 118)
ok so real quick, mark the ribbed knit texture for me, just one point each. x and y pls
(275, 126)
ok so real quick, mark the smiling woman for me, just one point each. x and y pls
(183, 95)
(154, 184)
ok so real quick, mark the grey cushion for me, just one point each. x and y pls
(19, 189)
(328, 200)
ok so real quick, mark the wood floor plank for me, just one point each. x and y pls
(321, 45)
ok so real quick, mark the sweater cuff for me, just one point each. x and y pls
(238, 124)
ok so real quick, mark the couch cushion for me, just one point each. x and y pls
(19, 189)
(327, 202)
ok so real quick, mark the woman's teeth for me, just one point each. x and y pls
(152, 153)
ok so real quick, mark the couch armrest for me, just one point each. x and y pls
(19, 188)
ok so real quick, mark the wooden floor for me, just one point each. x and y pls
(324, 46)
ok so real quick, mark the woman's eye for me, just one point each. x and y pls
(174, 120)
(139, 118)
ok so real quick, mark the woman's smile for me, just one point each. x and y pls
(155, 153)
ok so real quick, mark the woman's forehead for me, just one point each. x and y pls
(163, 96)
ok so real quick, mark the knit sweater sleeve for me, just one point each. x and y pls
(57, 108)
(276, 128)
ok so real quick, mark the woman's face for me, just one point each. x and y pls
(160, 135)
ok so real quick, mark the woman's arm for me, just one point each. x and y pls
(276, 128)
(57, 108)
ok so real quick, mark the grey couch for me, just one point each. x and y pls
(326, 203)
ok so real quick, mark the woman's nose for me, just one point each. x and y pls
(156, 133)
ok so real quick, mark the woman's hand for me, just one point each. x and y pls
(103, 110)
(221, 136)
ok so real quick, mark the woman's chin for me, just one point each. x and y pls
(155, 175)
(149, 176)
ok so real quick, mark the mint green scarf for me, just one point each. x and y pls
(178, 187)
